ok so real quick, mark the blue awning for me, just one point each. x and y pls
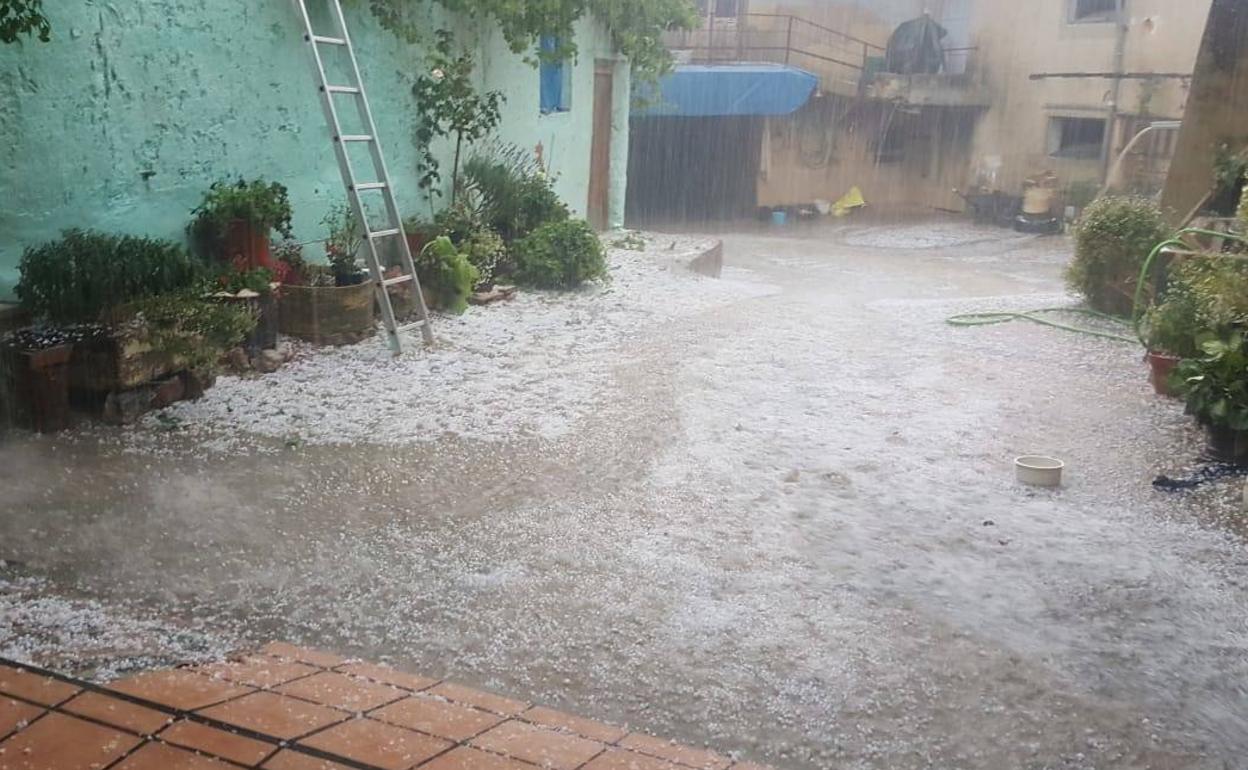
(698, 90)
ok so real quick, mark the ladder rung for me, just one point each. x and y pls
(342, 89)
(369, 186)
(385, 233)
(355, 138)
(328, 40)
(411, 326)
(397, 280)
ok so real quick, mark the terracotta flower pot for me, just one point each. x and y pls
(42, 387)
(245, 242)
(1161, 365)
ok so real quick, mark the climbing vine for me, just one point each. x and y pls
(636, 26)
(23, 17)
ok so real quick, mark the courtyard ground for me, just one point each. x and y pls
(773, 513)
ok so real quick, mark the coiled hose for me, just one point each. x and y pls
(1137, 312)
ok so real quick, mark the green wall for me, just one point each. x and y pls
(137, 106)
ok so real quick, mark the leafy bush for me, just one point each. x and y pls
(190, 327)
(514, 194)
(1112, 241)
(1206, 295)
(1173, 325)
(23, 17)
(342, 247)
(446, 274)
(1216, 384)
(265, 205)
(258, 280)
(82, 276)
(463, 224)
(560, 255)
(487, 253)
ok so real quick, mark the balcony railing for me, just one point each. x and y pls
(838, 58)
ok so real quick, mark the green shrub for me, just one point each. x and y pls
(265, 205)
(342, 247)
(560, 255)
(446, 274)
(487, 253)
(1214, 385)
(1206, 295)
(1173, 325)
(85, 274)
(191, 327)
(1112, 241)
(515, 196)
(463, 224)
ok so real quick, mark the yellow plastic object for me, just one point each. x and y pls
(848, 202)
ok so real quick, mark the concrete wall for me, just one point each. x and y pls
(137, 106)
(831, 146)
(1016, 40)
(1217, 111)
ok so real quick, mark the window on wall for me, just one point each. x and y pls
(726, 9)
(1076, 137)
(556, 79)
(1093, 10)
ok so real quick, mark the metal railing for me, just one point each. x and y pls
(782, 39)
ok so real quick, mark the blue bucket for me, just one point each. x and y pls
(779, 217)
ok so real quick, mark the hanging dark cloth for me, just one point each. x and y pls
(915, 48)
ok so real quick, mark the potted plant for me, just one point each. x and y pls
(255, 289)
(234, 221)
(38, 359)
(447, 278)
(330, 304)
(342, 247)
(1215, 386)
(1171, 329)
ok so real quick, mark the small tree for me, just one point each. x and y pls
(23, 17)
(449, 105)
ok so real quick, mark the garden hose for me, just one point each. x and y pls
(987, 319)
(1137, 312)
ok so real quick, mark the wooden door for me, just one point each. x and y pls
(599, 208)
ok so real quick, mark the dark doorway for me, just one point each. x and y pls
(682, 169)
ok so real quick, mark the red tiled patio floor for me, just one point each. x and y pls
(289, 708)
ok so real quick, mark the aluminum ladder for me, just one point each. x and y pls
(393, 229)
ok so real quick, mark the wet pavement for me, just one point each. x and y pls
(784, 524)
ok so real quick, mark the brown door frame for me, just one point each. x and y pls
(598, 208)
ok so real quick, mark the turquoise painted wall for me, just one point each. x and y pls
(137, 106)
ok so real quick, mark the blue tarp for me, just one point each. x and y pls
(697, 90)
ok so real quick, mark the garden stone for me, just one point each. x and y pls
(196, 384)
(268, 361)
(168, 391)
(239, 361)
(124, 407)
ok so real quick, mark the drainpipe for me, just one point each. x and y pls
(1121, 27)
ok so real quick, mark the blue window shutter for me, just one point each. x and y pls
(551, 74)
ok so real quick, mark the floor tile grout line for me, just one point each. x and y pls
(5, 736)
(217, 678)
(189, 716)
(570, 731)
(126, 755)
(193, 716)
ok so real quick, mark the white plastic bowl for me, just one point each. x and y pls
(1039, 471)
